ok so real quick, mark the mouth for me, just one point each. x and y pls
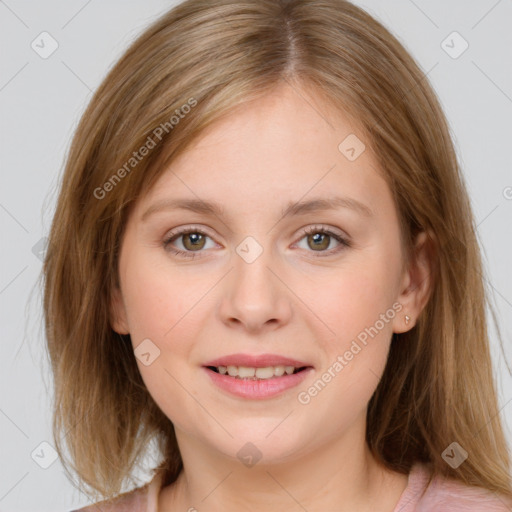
(256, 377)
(256, 373)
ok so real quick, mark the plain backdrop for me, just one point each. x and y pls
(41, 100)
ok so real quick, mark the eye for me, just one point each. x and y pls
(192, 240)
(319, 238)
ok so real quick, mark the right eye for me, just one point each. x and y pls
(192, 240)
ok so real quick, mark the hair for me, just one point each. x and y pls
(212, 56)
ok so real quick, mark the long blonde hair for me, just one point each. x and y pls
(213, 55)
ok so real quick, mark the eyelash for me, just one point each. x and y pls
(308, 231)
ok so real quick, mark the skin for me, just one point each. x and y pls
(293, 300)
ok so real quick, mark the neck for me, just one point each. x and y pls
(339, 475)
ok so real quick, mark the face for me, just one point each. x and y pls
(318, 287)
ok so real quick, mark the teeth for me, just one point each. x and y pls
(265, 373)
(233, 371)
(246, 372)
(278, 371)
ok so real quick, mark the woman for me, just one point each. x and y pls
(263, 257)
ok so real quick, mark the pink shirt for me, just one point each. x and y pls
(442, 495)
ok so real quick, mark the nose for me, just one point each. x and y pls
(255, 298)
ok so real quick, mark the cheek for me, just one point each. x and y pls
(355, 356)
(162, 307)
(357, 305)
(355, 298)
(158, 301)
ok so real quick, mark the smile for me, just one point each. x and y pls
(246, 372)
(256, 377)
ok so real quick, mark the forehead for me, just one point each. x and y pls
(282, 147)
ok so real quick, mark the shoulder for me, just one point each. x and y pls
(454, 495)
(451, 495)
(141, 499)
(133, 500)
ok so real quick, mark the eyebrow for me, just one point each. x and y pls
(293, 208)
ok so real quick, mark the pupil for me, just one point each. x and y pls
(318, 239)
(193, 240)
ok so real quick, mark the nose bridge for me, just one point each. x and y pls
(253, 282)
(254, 295)
(252, 277)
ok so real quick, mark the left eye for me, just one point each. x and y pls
(194, 240)
(319, 239)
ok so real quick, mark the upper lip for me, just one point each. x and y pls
(256, 361)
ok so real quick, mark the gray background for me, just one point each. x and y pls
(41, 101)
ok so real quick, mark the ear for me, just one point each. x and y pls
(118, 319)
(417, 282)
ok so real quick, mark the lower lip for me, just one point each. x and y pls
(257, 389)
